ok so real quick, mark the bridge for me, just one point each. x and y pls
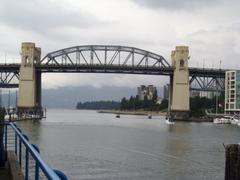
(107, 59)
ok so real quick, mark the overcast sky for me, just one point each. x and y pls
(209, 27)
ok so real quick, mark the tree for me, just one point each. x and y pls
(138, 102)
(155, 97)
(132, 103)
(164, 104)
(124, 103)
(200, 104)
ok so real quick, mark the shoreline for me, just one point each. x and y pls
(154, 113)
(141, 113)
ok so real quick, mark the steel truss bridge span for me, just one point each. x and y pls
(112, 59)
(105, 55)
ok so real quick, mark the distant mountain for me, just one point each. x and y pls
(68, 97)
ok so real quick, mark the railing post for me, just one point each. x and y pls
(6, 135)
(26, 158)
(20, 149)
(16, 149)
(232, 167)
(37, 163)
(60, 174)
(2, 151)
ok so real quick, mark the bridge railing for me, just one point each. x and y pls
(28, 155)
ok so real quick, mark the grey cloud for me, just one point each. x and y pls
(40, 16)
(177, 4)
(219, 43)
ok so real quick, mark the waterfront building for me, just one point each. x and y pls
(232, 92)
(166, 91)
(148, 91)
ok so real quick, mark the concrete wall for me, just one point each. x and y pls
(180, 84)
(27, 84)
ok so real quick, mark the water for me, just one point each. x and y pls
(88, 145)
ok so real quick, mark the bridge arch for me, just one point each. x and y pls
(105, 55)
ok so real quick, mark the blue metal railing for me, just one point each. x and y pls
(15, 140)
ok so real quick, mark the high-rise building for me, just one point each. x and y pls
(232, 92)
(148, 91)
(141, 92)
(166, 91)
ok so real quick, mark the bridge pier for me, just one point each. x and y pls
(170, 90)
(179, 84)
(38, 89)
(29, 98)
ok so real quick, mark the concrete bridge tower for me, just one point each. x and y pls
(29, 97)
(179, 83)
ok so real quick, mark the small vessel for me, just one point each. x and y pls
(169, 120)
(235, 120)
(118, 116)
(222, 120)
(149, 116)
(7, 116)
(169, 117)
(238, 124)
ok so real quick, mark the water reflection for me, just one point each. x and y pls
(87, 145)
(33, 128)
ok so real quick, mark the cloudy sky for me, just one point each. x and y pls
(209, 27)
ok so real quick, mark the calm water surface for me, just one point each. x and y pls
(88, 145)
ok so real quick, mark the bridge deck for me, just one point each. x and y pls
(96, 68)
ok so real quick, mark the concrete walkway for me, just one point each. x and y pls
(12, 169)
(4, 173)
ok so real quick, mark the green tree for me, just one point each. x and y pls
(138, 102)
(132, 102)
(124, 104)
(199, 105)
(164, 104)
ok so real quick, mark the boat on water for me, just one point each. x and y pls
(149, 116)
(235, 120)
(10, 116)
(118, 116)
(169, 117)
(169, 120)
(222, 120)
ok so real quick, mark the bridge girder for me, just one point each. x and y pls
(198, 83)
(9, 79)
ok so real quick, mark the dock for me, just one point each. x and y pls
(11, 170)
(139, 113)
(4, 173)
